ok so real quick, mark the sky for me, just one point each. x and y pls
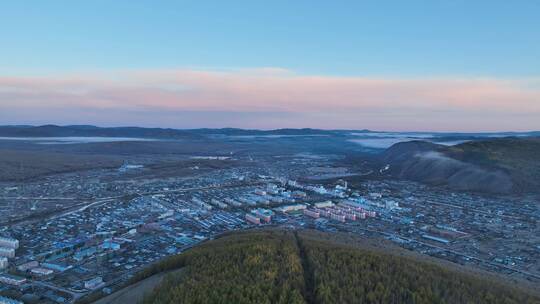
(381, 65)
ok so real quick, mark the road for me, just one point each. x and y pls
(24, 198)
(74, 295)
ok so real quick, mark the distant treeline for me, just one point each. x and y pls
(287, 267)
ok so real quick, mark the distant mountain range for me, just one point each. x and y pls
(138, 132)
(168, 133)
(91, 131)
(501, 165)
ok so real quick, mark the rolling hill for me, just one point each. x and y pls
(502, 165)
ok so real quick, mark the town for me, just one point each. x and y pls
(65, 236)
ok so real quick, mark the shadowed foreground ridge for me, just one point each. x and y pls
(294, 267)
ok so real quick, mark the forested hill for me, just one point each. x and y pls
(502, 165)
(518, 157)
(295, 267)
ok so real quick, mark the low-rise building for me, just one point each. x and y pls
(39, 271)
(311, 213)
(56, 266)
(325, 204)
(3, 263)
(9, 242)
(263, 214)
(109, 244)
(27, 266)
(94, 283)
(11, 279)
(288, 208)
(7, 252)
(253, 219)
(84, 253)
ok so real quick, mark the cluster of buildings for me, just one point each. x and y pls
(341, 212)
(259, 216)
(7, 250)
(6, 300)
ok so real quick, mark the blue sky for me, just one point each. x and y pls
(385, 65)
(403, 38)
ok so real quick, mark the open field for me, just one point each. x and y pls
(17, 165)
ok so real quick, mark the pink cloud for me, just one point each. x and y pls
(312, 101)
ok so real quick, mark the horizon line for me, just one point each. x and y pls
(264, 130)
